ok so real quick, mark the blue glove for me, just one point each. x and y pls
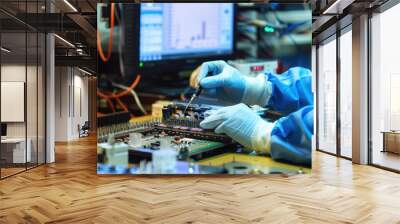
(233, 87)
(241, 124)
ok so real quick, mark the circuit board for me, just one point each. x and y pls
(180, 119)
(187, 149)
(114, 138)
(175, 121)
(131, 143)
(192, 146)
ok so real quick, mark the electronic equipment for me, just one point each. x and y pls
(254, 67)
(122, 142)
(119, 126)
(142, 145)
(196, 93)
(176, 30)
(3, 130)
(130, 144)
(185, 34)
(152, 36)
(183, 119)
(173, 122)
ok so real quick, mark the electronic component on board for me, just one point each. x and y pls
(184, 120)
(133, 142)
(113, 153)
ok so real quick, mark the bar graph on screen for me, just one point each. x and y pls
(197, 31)
(170, 31)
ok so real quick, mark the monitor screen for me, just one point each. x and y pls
(3, 129)
(185, 30)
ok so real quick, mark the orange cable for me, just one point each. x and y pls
(111, 105)
(102, 95)
(117, 96)
(122, 93)
(121, 104)
(110, 41)
(129, 89)
(107, 98)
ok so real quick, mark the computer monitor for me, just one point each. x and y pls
(176, 31)
(3, 130)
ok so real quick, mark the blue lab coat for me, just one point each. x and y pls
(292, 96)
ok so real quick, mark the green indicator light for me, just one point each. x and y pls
(141, 64)
(269, 29)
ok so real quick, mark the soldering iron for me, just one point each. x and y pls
(195, 94)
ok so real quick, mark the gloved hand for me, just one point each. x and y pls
(233, 87)
(241, 124)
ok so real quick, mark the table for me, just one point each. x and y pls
(13, 150)
(391, 141)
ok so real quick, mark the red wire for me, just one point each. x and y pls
(110, 40)
(111, 105)
(122, 93)
(130, 88)
(121, 104)
(117, 96)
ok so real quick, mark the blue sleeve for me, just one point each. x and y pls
(291, 137)
(290, 90)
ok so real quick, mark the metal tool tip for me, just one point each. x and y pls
(187, 105)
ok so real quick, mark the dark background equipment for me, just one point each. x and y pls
(3, 129)
(258, 32)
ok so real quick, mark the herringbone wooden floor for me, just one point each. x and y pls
(69, 191)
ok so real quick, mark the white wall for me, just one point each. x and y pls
(34, 125)
(71, 102)
(61, 103)
(12, 73)
(82, 82)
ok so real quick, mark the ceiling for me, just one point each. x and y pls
(333, 14)
(79, 27)
(22, 20)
